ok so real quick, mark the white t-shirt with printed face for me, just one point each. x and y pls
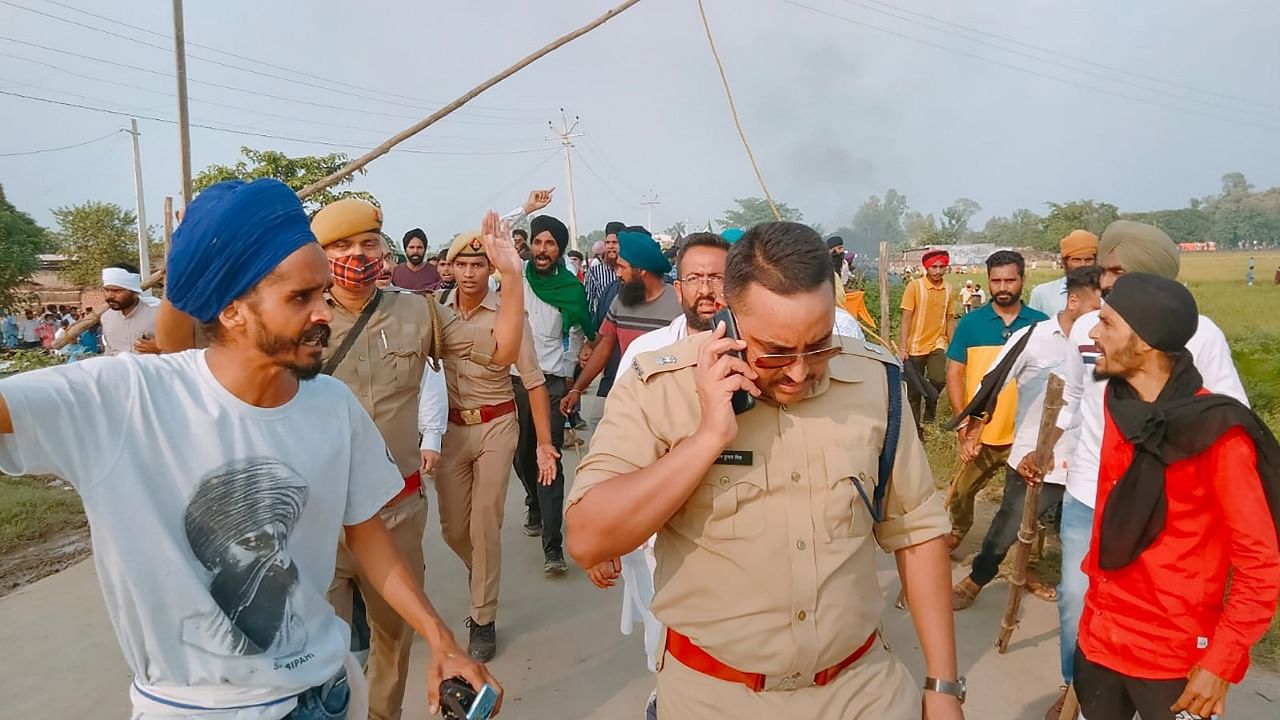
(215, 523)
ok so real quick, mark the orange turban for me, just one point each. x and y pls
(1079, 243)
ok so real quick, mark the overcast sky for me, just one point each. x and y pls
(1179, 93)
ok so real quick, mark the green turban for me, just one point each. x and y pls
(1140, 248)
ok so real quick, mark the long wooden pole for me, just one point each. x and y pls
(434, 117)
(884, 296)
(157, 277)
(184, 116)
(1027, 531)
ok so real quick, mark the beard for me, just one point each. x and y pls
(254, 599)
(1005, 299)
(123, 305)
(694, 319)
(632, 293)
(279, 347)
(1118, 363)
(550, 269)
(415, 259)
(837, 261)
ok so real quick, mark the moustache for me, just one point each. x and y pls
(542, 258)
(316, 335)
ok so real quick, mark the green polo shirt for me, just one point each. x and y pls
(976, 343)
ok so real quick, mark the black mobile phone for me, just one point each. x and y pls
(742, 400)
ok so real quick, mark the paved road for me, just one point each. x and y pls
(560, 653)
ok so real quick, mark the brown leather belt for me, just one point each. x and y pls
(695, 658)
(481, 415)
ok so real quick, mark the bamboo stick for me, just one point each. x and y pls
(1028, 530)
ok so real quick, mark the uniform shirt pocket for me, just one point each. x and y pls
(844, 513)
(404, 356)
(731, 501)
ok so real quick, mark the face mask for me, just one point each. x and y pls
(355, 272)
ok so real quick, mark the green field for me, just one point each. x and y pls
(1250, 318)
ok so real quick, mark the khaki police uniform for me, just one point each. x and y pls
(383, 368)
(475, 457)
(770, 566)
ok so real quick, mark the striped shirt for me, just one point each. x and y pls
(599, 278)
(628, 322)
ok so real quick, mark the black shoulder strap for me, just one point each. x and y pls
(889, 451)
(341, 353)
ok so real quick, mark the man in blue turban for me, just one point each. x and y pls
(644, 302)
(218, 607)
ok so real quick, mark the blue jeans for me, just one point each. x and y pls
(324, 702)
(1076, 532)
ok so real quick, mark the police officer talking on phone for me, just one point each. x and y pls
(766, 569)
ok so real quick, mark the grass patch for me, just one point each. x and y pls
(32, 509)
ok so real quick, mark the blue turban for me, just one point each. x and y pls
(232, 235)
(733, 234)
(641, 251)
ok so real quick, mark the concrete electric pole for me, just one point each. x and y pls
(144, 252)
(565, 136)
(649, 202)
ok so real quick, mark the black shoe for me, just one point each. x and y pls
(555, 565)
(533, 526)
(484, 643)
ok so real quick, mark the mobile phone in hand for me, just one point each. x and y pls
(482, 708)
(742, 400)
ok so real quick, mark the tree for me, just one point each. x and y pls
(922, 230)
(955, 220)
(94, 235)
(584, 242)
(1023, 228)
(1078, 215)
(752, 211)
(878, 221)
(21, 241)
(296, 172)
(1187, 225)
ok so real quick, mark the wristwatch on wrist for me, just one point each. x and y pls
(946, 687)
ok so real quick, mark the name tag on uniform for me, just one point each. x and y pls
(736, 457)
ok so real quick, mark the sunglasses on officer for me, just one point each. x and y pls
(781, 360)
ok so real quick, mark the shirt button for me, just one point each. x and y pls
(799, 544)
(724, 480)
(786, 408)
(361, 358)
(795, 477)
(801, 616)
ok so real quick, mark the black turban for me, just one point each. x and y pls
(614, 228)
(834, 242)
(1161, 311)
(546, 223)
(238, 499)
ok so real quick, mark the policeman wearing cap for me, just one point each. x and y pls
(767, 520)
(484, 429)
(380, 346)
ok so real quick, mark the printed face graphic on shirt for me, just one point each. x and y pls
(238, 524)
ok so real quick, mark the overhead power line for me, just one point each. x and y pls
(293, 80)
(64, 147)
(1264, 113)
(269, 136)
(234, 88)
(1072, 58)
(1036, 73)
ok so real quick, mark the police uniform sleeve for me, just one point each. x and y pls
(627, 438)
(913, 506)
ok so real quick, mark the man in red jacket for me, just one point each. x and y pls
(1188, 493)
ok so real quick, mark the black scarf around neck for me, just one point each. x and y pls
(1180, 424)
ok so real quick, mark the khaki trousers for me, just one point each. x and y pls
(877, 687)
(390, 638)
(471, 482)
(971, 478)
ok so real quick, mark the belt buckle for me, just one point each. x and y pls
(471, 417)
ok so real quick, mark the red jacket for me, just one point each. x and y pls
(1169, 610)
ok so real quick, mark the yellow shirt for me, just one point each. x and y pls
(931, 310)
